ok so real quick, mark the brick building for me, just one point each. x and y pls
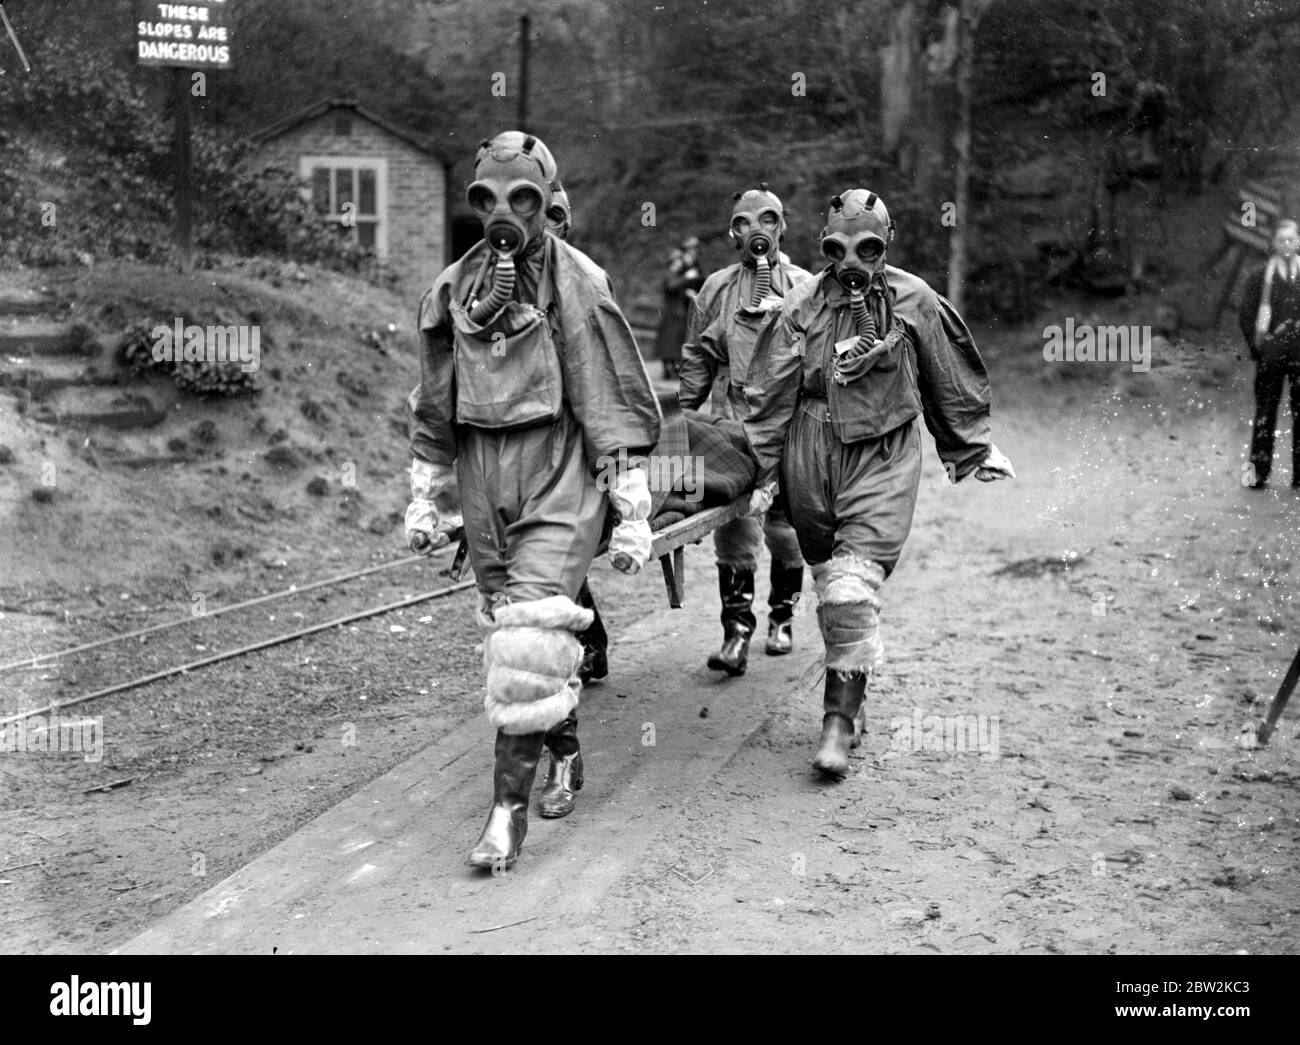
(384, 185)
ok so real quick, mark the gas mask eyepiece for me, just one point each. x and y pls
(854, 258)
(559, 218)
(514, 178)
(858, 229)
(757, 222)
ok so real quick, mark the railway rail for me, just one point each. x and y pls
(668, 547)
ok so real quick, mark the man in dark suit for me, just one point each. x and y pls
(1270, 323)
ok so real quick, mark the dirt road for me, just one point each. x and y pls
(1099, 632)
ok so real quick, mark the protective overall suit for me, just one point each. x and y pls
(839, 377)
(729, 312)
(557, 800)
(532, 384)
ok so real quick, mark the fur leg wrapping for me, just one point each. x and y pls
(848, 608)
(532, 658)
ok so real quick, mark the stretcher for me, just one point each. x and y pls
(668, 545)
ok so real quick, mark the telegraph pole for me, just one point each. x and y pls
(525, 24)
(183, 165)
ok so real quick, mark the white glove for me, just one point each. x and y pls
(630, 541)
(427, 481)
(422, 533)
(761, 499)
(994, 466)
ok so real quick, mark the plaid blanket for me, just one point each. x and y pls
(700, 461)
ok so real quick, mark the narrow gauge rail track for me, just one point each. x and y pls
(230, 654)
(294, 589)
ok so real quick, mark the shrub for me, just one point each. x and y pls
(202, 377)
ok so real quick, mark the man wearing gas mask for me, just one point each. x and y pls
(532, 385)
(840, 375)
(724, 324)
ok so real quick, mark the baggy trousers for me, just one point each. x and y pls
(533, 515)
(851, 505)
(532, 510)
(737, 542)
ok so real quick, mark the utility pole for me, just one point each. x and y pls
(184, 195)
(525, 24)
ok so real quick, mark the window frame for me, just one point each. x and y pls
(308, 162)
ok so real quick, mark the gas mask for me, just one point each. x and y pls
(559, 216)
(757, 222)
(514, 175)
(857, 232)
(514, 178)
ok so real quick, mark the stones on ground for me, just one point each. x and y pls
(352, 383)
(43, 494)
(206, 432)
(282, 456)
(6, 455)
(313, 411)
(1179, 792)
(319, 486)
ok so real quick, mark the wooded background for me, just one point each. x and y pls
(986, 112)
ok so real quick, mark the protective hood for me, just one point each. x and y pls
(858, 231)
(757, 223)
(514, 178)
(559, 215)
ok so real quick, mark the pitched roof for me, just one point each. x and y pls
(416, 140)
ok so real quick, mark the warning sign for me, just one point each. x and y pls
(194, 35)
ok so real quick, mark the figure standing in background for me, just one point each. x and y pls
(1270, 322)
(680, 287)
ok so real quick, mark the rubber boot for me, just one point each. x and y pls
(595, 641)
(737, 590)
(787, 583)
(845, 691)
(507, 823)
(859, 725)
(565, 775)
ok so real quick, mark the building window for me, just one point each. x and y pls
(351, 192)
